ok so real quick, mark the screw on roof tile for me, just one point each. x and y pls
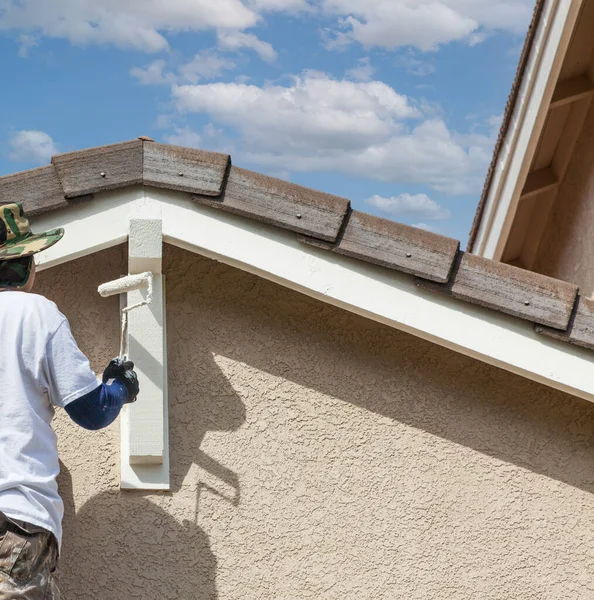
(526, 302)
(180, 174)
(102, 174)
(298, 215)
(408, 255)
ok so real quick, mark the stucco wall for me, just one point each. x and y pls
(566, 249)
(316, 454)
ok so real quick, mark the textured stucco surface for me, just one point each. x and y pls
(566, 250)
(316, 454)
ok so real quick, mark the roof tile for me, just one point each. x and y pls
(185, 169)
(38, 189)
(396, 246)
(100, 169)
(581, 327)
(511, 290)
(280, 203)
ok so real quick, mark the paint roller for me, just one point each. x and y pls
(130, 283)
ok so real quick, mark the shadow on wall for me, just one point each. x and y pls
(123, 546)
(133, 544)
(391, 373)
(137, 545)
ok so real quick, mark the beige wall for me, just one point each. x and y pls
(316, 454)
(566, 249)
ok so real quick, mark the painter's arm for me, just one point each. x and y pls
(101, 407)
(71, 384)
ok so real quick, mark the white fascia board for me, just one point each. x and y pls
(538, 85)
(374, 292)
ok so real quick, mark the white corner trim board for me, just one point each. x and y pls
(540, 77)
(144, 424)
(386, 296)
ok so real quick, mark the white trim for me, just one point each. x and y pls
(380, 294)
(538, 85)
(144, 425)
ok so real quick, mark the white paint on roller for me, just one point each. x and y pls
(126, 284)
(386, 296)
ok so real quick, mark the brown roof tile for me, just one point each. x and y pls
(511, 290)
(581, 327)
(185, 169)
(281, 203)
(396, 246)
(321, 219)
(38, 189)
(100, 169)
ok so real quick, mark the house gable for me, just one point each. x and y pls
(407, 278)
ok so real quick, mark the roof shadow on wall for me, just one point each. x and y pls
(391, 373)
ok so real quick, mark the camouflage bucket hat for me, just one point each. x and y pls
(16, 238)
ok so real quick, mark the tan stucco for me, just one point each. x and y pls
(566, 249)
(316, 454)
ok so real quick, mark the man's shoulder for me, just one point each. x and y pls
(28, 302)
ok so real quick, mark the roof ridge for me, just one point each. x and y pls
(318, 218)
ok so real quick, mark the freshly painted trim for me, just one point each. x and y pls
(143, 426)
(374, 292)
(540, 78)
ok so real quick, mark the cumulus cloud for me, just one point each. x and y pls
(417, 206)
(366, 129)
(237, 40)
(210, 138)
(29, 146)
(280, 5)
(136, 24)
(152, 74)
(362, 71)
(414, 65)
(185, 136)
(424, 24)
(204, 65)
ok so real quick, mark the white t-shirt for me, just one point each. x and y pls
(40, 367)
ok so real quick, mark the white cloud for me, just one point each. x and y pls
(363, 71)
(415, 66)
(210, 138)
(424, 24)
(280, 5)
(184, 136)
(236, 40)
(365, 129)
(137, 24)
(418, 206)
(152, 74)
(143, 24)
(26, 43)
(205, 65)
(31, 147)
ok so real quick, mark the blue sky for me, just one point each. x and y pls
(394, 104)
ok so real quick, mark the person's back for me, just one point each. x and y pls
(35, 343)
(41, 367)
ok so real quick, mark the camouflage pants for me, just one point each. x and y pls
(28, 561)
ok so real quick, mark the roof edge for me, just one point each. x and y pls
(507, 119)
